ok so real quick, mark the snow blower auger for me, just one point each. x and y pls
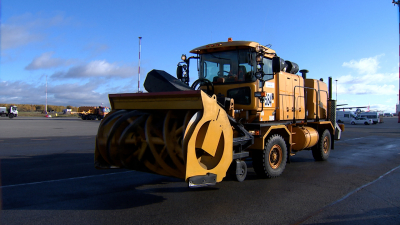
(181, 134)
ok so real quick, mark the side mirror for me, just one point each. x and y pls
(278, 64)
(179, 72)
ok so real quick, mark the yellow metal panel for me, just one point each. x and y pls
(291, 96)
(161, 100)
(223, 89)
(259, 142)
(210, 139)
(218, 162)
(226, 46)
(312, 99)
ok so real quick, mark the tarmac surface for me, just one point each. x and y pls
(48, 177)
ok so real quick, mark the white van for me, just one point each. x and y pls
(371, 115)
(345, 116)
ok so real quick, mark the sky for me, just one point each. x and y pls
(89, 49)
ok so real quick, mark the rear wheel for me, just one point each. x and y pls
(322, 149)
(353, 123)
(366, 123)
(271, 161)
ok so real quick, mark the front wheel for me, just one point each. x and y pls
(353, 123)
(238, 170)
(271, 162)
(322, 149)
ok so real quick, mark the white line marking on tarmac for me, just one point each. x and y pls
(72, 178)
(364, 186)
(345, 197)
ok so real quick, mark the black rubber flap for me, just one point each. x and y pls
(161, 81)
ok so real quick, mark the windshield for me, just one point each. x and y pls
(228, 67)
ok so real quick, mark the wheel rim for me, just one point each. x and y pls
(326, 145)
(275, 156)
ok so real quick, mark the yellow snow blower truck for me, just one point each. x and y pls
(247, 103)
(93, 112)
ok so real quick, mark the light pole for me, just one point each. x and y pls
(336, 91)
(398, 4)
(140, 49)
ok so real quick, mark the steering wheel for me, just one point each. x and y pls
(201, 82)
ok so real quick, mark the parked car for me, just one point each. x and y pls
(361, 120)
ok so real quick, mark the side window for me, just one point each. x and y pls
(346, 115)
(227, 68)
(211, 69)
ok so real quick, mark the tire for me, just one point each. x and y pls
(271, 162)
(339, 121)
(243, 167)
(366, 123)
(353, 123)
(322, 149)
(10, 115)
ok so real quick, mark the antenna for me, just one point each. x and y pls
(140, 49)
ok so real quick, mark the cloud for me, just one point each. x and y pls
(45, 61)
(22, 30)
(97, 68)
(378, 84)
(365, 65)
(383, 108)
(75, 94)
(369, 78)
(369, 82)
(371, 89)
(16, 36)
(96, 49)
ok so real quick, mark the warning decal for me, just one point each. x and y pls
(268, 100)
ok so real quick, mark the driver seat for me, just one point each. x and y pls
(241, 73)
(218, 80)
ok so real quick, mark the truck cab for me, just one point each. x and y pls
(11, 111)
(264, 87)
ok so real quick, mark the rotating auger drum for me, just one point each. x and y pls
(184, 135)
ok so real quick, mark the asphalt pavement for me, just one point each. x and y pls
(47, 177)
